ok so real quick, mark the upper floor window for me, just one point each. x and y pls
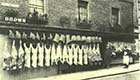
(82, 10)
(115, 21)
(37, 5)
(115, 16)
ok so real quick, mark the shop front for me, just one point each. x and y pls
(43, 50)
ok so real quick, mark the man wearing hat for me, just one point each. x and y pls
(107, 56)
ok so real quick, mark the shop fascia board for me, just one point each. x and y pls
(48, 28)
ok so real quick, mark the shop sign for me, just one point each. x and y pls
(14, 19)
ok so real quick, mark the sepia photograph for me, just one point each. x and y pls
(69, 39)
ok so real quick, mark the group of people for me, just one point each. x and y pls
(110, 51)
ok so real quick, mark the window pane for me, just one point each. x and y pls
(32, 1)
(40, 2)
(82, 6)
(38, 5)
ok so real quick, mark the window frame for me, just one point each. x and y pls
(118, 15)
(37, 6)
(82, 4)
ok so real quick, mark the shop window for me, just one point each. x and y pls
(37, 5)
(82, 10)
(115, 16)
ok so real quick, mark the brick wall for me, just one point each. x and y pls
(59, 8)
(126, 14)
(100, 11)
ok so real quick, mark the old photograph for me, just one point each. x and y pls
(69, 39)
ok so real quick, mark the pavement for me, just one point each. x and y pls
(95, 74)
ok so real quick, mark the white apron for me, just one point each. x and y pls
(125, 58)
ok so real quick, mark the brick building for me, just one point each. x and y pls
(90, 18)
(97, 12)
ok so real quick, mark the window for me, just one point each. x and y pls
(38, 5)
(115, 16)
(82, 10)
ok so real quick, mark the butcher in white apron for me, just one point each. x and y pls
(47, 55)
(27, 55)
(41, 52)
(126, 57)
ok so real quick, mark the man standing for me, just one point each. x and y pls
(107, 56)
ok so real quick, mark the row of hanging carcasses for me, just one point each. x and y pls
(27, 55)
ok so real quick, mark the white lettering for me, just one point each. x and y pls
(19, 19)
(15, 19)
(6, 19)
(11, 19)
(24, 20)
